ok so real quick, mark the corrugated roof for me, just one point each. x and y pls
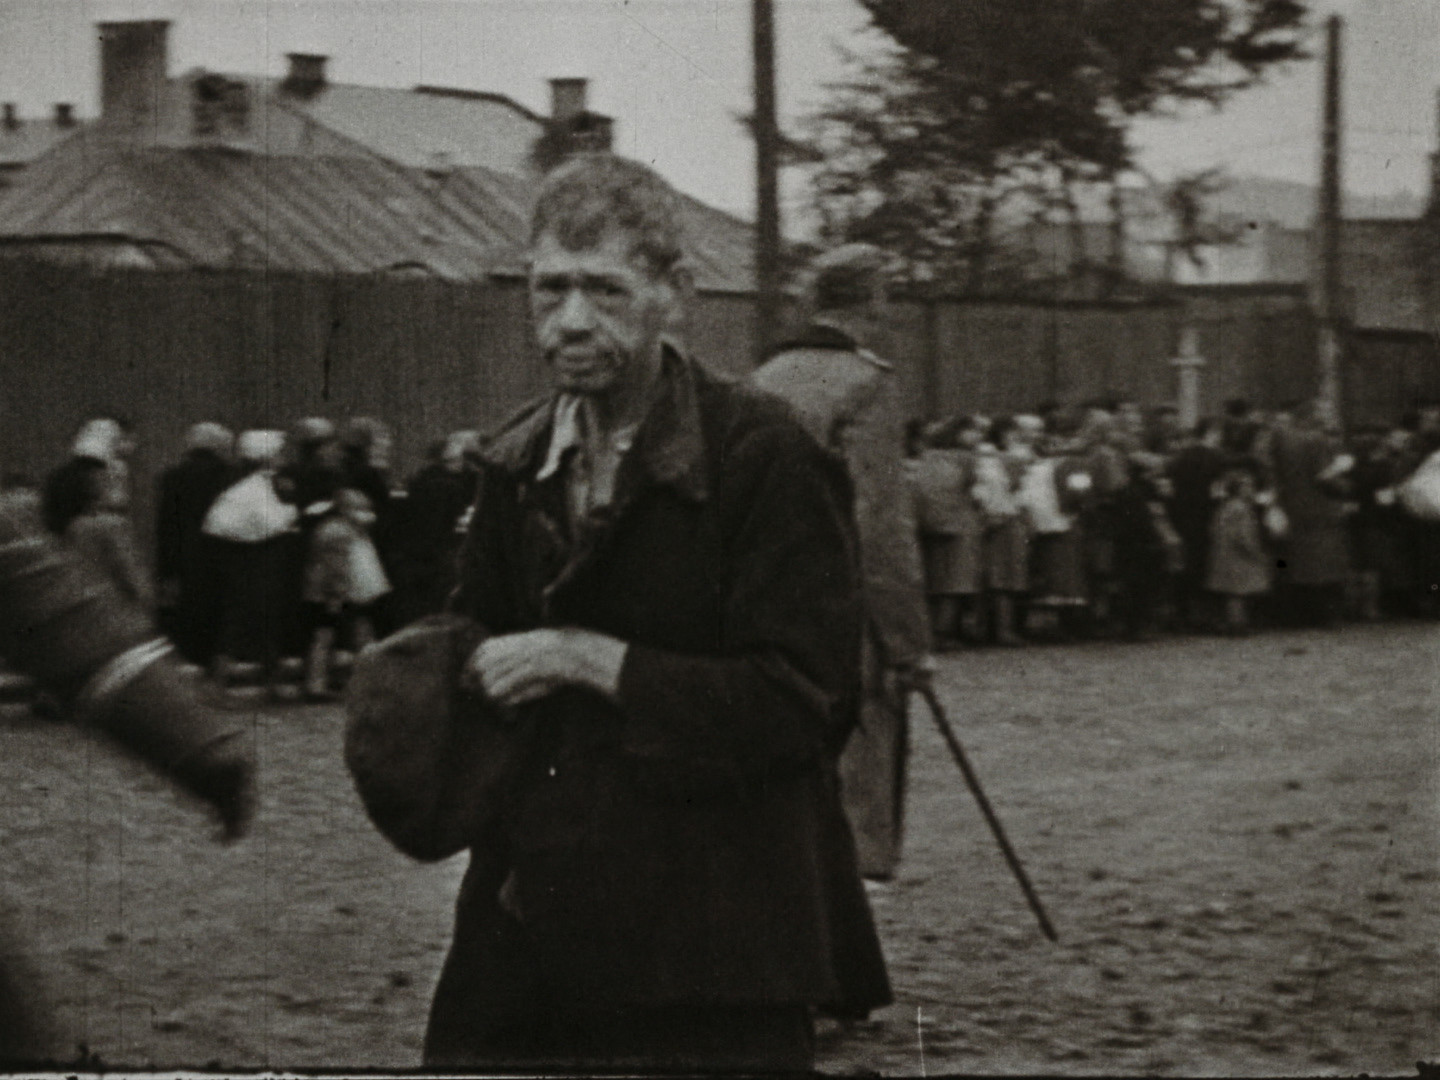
(421, 127)
(221, 207)
(29, 139)
(218, 207)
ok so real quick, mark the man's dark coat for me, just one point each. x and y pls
(184, 554)
(684, 845)
(426, 538)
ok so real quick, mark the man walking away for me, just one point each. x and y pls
(848, 399)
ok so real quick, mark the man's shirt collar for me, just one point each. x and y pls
(566, 433)
(668, 447)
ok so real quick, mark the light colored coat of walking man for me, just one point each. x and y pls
(849, 400)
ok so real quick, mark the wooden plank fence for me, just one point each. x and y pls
(250, 349)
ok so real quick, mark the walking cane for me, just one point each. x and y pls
(927, 691)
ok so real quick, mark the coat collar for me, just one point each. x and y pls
(827, 336)
(818, 335)
(669, 446)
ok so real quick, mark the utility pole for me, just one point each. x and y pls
(1329, 298)
(767, 191)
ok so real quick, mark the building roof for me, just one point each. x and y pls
(29, 139)
(426, 125)
(218, 206)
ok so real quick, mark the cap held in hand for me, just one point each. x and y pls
(432, 761)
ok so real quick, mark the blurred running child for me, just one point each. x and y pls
(343, 580)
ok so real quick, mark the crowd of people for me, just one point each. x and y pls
(1114, 521)
(1100, 521)
(272, 544)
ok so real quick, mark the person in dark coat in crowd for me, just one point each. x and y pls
(1377, 527)
(102, 533)
(366, 445)
(103, 442)
(98, 657)
(316, 466)
(1106, 463)
(1194, 472)
(309, 479)
(848, 398)
(1145, 547)
(428, 526)
(187, 565)
(1164, 432)
(1239, 430)
(666, 565)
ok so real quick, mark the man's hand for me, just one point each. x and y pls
(223, 774)
(232, 792)
(513, 669)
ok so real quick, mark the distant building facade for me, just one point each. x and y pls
(301, 174)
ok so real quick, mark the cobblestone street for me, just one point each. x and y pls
(1238, 841)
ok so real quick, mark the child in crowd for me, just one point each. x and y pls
(343, 580)
(1239, 559)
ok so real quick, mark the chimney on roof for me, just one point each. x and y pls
(571, 127)
(134, 64)
(567, 98)
(11, 120)
(306, 76)
(64, 114)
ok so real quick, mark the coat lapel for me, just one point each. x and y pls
(669, 451)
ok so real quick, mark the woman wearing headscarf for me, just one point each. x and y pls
(102, 534)
(941, 476)
(254, 530)
(104, 444)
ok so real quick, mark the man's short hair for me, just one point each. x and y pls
(592, 194)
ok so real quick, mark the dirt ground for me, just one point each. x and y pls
(1239, 842)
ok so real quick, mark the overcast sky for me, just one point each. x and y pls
(675, 73)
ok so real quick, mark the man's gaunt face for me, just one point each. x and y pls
(598, 314)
